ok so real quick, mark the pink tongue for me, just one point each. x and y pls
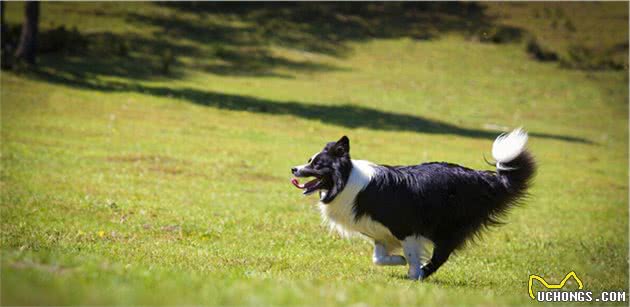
(297, 184)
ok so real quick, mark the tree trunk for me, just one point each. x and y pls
(2, 15)
(27, 47)
(5, 59)
(3, 28)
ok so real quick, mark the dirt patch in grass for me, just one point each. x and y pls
(160, 164)
(131, 158)
(154, 163)
(167, 170)
(258, 176)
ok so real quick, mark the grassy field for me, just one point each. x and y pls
(122, 184)
(581, 34)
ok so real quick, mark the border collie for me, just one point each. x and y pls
(429, 210)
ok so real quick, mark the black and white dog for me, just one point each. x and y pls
(437, 204)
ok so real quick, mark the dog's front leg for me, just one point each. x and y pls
(412, 247)
(382, 257)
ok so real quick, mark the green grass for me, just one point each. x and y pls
(124, 186)
(599, 27)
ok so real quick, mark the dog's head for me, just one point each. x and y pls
(331, 168)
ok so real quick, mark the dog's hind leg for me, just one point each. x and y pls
(440, 254)
(382, 257)
(416, 249)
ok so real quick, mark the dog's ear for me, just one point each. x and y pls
(342, 146)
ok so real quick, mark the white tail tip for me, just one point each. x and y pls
(509, 146)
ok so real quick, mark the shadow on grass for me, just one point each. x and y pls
(223, 48)
(446, 283)
(236, 39)
(241, 34)
(326, 27)
(142, 58)
(239, 38)
(340, 114)
(460, 283)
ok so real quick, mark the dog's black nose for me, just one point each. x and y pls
(293, 170)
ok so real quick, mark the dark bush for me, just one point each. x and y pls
(57, 40)
(61, 40)
(11, 36)
(167, 59)
(506, 34)
(536, 50)
(582, 57)
(123, 48)
(500, 34)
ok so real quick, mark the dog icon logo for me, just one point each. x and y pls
(548, 286)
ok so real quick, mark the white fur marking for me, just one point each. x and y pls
(382, 257)
(339, 213)
(300, 167)
(310, 161)
(509, 146)
(418, 253)
(313, 157)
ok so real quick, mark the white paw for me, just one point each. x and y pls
(415, 273)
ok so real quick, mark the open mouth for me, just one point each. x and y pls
(308, 187)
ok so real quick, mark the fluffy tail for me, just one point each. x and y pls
(515, 165)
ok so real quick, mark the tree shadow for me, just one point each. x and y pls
(239, 36)
(340, 114)
(259, 62)
(237, 39)
(326, 27)
(445, 283)
(240, 39)
(239, 50)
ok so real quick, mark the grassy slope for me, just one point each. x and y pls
(146, 197)
(598, 26)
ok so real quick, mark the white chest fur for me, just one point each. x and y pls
(339, 213)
